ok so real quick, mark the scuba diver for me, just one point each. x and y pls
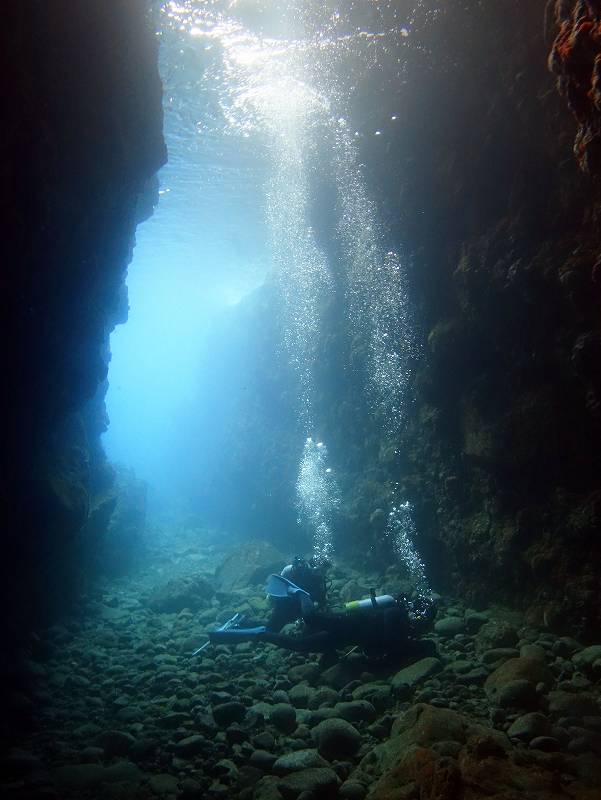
(379, 625)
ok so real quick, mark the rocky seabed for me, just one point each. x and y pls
(116, 708)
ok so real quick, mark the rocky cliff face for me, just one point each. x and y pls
(82, 142)
(480, 181)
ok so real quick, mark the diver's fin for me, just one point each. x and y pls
(237, 618)
(235, 635)
(278, 586)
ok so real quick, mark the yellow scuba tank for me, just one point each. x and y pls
(370, 602)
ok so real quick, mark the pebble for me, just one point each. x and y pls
(116, 743)
(301, 759)
(259, 723)
(476, 676)
(92, 755)
(355, 711)
(226, 713)
(499, 654)
(163, 783)
(533, 651)
(304, 672)
(263, 741)
(565, 646)
(449, 626)
(327, 696)
(379, 695)
(352, 790)
(86, 776)
(300, 695)
(567, 704)
(519, 694)
(495, 633)
(336, 739)
(584, 659)
(416, 673)
(460, 666)
(283, 716)
(447, 748)
(529, 726)
(474, 620)
(547, 744)
(262, 759)
(191, 746)
(313, 782)
(191, 789)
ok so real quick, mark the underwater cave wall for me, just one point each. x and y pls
(82, 141)
(501, 452)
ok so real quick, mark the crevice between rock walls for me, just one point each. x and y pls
(82, 142)
(479, 175)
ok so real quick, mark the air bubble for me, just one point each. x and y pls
(317, 497)
(402, 533)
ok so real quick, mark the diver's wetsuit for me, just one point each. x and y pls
(381, 630)
(385, 629)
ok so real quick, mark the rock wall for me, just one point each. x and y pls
(501, 455)
(82, 141)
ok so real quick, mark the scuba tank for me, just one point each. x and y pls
(369, 603)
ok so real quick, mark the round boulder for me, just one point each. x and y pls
(191, 746)
(586, 658)
(336, 739)
(449, 626)
(352, 790)
(518, 694)
(524, 668)
(529, 726)
(495, 633)
(324, 696)
(300, 695)
(298, 760)
(568, 704)
(226, 713)
(263, 760)
(283, 716)
(116, 743)
(356, 711)
(314, 782)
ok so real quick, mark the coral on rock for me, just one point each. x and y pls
(576, 60)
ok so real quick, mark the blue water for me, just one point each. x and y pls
(257, 102)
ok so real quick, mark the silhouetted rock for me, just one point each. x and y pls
(192, 593)
(247, 565)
